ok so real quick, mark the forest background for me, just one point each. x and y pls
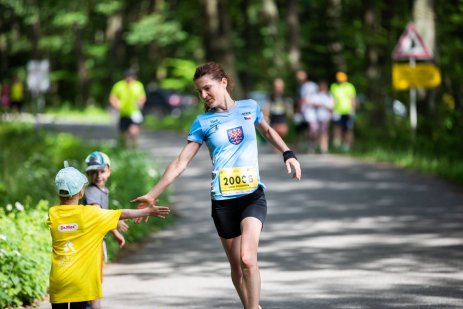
(90, 43)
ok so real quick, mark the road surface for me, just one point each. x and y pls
(350, 234)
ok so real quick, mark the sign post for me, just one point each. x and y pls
(38, 80)
(412, 47)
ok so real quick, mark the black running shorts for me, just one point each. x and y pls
(125, 123)
(228, 214)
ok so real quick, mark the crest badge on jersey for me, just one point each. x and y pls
(235, 135)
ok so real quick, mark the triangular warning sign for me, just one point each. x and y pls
(411, 45)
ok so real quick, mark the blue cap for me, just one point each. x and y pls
(69, 181)
(97, 160)
(130, 72)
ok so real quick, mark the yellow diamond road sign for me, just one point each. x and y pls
(422, 75)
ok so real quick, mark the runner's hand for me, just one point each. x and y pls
(143, 202)
(291, 164)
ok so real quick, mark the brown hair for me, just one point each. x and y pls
(216, 72)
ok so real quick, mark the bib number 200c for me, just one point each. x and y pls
(238, 180)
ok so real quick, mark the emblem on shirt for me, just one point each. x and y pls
(247, 115)
(68, 227)
(235, 135)
(69, 247)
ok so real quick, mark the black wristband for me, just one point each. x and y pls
(288, 154)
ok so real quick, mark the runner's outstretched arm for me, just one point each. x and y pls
(175, 168)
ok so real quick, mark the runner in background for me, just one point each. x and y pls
(128, 97)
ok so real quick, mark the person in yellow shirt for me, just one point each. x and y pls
(17, 95)
(77, 234)
(344, 96)
(128, 97)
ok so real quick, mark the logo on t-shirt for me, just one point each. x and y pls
(68, 227)
(235, 135)
(69, 247)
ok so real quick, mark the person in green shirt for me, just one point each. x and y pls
(128, 97)
(344, 96)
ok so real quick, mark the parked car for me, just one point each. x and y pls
(163, 102)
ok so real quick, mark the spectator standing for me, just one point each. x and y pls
(278, 108)
(344, 95)
(128, 97)
(306, 90)
(5, 91)
(17, 94)
(322, 104)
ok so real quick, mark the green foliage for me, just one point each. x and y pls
(29, 161)
(180, 124)
(108, 7)
(435, 147)
(155, 28)
(178, 75)
(24, 254)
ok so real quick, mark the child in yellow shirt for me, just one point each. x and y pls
(77, 235)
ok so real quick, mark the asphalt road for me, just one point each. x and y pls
(350, 234)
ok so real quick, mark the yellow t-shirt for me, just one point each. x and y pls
(77, 235)
(343, 94)
(128, 95)
(17, 91)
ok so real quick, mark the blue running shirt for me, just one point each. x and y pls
(231, 139)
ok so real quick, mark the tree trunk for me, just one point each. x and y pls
(116, 47)
(374, 91)
(82, 72)
(249, 43)
(334, 24)
(424, 18)
(36, 33)
(217, 38)
(271, 16)
(294, 51)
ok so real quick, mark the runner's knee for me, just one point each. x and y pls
(248, 262)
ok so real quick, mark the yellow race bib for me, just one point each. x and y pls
(238, 180)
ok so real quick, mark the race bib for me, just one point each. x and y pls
(238, 180)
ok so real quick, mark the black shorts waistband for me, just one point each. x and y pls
(242, 199)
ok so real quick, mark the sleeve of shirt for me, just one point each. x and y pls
(354, 93)
(108, 219)
(259, 114)
(115, 89)
(141, 90)
(196, 133)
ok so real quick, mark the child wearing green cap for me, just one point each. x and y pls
(77, 233)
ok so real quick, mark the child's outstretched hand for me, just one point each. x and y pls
(122, 226)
